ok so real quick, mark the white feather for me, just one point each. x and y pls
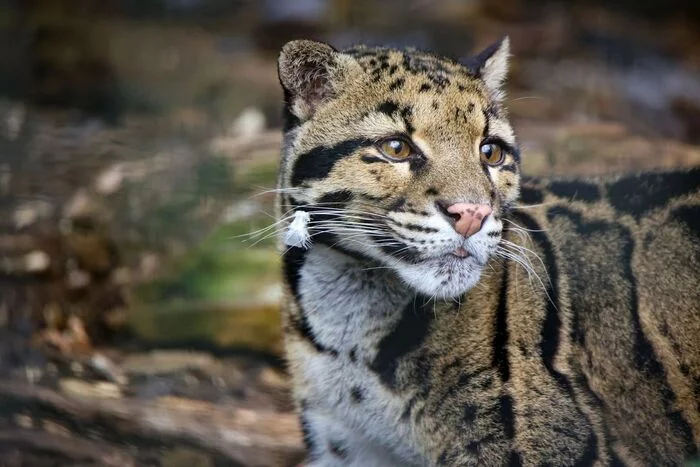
(297, 233)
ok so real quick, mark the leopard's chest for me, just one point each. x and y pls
(348, 313)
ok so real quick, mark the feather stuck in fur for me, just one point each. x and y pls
(298, 233)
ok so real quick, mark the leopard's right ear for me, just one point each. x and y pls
(310, 73)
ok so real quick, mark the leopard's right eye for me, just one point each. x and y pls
(395, 148)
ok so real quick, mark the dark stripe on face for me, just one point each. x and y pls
(318, 163)
(370, 159)
(415, 227)
(311, 446)
(486, 124)
(645, 359)
(407, 336)
(510, 168)
(500, 337)
(575, 190)
(638, 195)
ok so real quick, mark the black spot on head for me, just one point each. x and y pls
(425, 87)
(388, 108)
(393, 69)
(461, 87)
(357, 395)
(576, 190)
(435, 105)
(398, 84)
(335, 198)
(470, 107)
(431, 191)
(637, 195)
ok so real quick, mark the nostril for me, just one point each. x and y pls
(442, 206)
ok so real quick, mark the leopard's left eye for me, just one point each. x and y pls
(492, 154)
(395, 148)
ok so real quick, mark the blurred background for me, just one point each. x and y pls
(137, 141)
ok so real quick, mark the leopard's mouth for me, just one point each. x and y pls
(461, 252)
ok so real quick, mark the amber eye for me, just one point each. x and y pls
(395, 148)
(492, 154)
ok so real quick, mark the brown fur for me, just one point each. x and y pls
(582, 350)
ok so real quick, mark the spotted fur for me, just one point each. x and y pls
(568, 335)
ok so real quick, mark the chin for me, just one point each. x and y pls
(444, 277)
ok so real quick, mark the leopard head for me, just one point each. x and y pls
(400, 158)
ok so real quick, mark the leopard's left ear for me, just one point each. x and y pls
(491, 65)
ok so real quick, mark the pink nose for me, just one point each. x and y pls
(471, 217)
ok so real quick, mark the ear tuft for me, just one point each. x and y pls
(306, 71)
(491, 65)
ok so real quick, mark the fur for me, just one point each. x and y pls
(568, 335)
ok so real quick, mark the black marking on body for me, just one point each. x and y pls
(506, 414)
(357, 395)
(470, 412)
(425, 87)
(318, 162)
(645, 358)
(337, 449)
(531, 195)
(500, 336)
(575, 190)
(640, 194)
(549, 340)
(690, 216)
(309, 442)
(292, 261)
(352, 355)
(408, 335)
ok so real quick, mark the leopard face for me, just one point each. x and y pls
(401, 158)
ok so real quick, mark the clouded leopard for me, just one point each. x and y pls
(445, 310)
